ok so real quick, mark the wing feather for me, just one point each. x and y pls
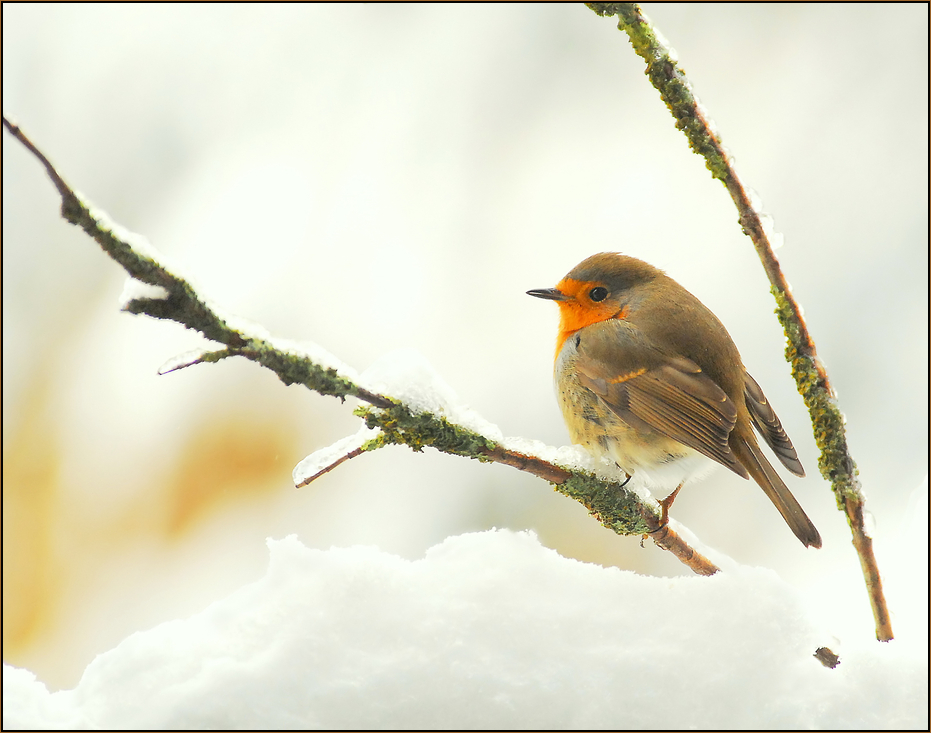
(650, 390)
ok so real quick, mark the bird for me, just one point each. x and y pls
(648, 377)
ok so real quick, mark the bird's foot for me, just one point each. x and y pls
(666, 503)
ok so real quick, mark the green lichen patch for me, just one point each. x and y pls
(834, 460)
(402, 426)
(616, 508)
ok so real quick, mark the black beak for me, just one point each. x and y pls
(548, 294)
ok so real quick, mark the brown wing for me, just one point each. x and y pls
(767, 424)
(648, 389)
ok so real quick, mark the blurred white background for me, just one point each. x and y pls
(383, 176)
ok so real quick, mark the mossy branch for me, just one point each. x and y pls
(835, 462)
(613, 505)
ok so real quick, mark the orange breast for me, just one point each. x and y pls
(579, 311)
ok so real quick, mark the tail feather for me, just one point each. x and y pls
(765, 475)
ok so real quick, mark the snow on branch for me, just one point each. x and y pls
(835, 462)
(388, 420)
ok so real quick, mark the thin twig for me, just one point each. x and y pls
(354, 453)
(835, 462)
(614, 506)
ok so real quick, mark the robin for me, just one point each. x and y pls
(649, 377)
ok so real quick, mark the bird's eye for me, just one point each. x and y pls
(598, 294)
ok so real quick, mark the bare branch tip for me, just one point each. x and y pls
(190, 358)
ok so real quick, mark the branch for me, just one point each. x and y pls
(835, 462)
(616, 507)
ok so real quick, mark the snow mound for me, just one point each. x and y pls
(488, 630)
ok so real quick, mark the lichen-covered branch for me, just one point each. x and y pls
(608, 502)
(835, 462)
(613, 505)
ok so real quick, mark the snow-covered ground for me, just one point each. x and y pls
(488, 630)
